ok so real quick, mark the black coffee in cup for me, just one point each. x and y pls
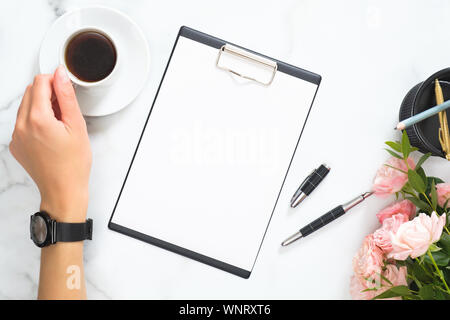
(90, 56)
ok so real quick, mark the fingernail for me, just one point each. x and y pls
(61, 73)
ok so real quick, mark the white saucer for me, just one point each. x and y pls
(132, 48)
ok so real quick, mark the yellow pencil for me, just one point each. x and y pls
(444, 135)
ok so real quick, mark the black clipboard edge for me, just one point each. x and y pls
(281, 66)
(180, 250)
(216, 43)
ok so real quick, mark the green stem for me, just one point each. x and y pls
(411, 194)
(446, 229)
(407, 164)
(439, 288)
(415, 280)
(429, 202)
(423, 267)
(402, 171)
(438, 271)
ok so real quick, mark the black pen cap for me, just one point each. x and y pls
(314, 179)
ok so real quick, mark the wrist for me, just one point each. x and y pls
(69, 210)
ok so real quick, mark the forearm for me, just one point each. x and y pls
(51, 142)
(62, 274)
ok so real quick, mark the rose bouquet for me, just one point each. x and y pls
(408, 257)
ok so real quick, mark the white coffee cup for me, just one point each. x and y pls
(95, 86)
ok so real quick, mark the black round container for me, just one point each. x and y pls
(425, 134)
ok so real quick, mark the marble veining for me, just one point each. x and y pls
(56, 6)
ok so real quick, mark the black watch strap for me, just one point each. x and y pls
(72, 232)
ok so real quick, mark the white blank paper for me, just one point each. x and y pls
(213, 157)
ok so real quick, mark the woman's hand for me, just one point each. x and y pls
(50, 141)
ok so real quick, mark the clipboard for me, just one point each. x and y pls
(214, 152)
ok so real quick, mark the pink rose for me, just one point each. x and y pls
(413, 238)
(357, 290)
(394, 222)
(368, 260)
(404, 207)
(443, 193)
(396, 277)
(382, 237)
(389, 180)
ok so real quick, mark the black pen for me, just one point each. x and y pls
(326, 218)
(309, 184)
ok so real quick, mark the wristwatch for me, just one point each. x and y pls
(45, 231)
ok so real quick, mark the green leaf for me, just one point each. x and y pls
(436, 180)
(416, 181)
(446, 273)
(422, 205)
(392, 153)
(439, 295)
(446, 204)
(419, 273)
(422, 174)
(369, 289)
(394, 292)
(386, 279)
(427, 292)
(433, 195)
(406, 146)
(422, 258)
(429, 182)
(400, 263)
(395, 168)
(441, 257)
(434, 248)
(394, 145)
(422, 160)
(407, 188)
(444, 242)
(411, 297)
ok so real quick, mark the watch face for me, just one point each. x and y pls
(38, 230)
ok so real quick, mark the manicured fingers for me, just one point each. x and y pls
(42, 87)
(67, 101)
(40, 110)
(42, 93)
(55, 106)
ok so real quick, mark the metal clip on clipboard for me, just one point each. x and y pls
(231, 58)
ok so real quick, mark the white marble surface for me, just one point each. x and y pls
(369, 53)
